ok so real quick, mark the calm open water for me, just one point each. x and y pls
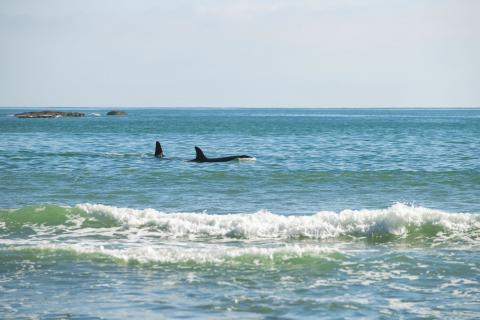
(345, 213)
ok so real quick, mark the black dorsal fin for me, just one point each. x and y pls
(158, 150)
(200, 156)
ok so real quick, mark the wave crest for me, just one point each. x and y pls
(216, 254)
(397, 221)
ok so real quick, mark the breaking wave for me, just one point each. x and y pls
(213, 253)
(397, 221)
(146, 236)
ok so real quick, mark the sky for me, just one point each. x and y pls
(240, 53)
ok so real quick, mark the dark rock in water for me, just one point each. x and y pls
(49, 114)
(116, 113)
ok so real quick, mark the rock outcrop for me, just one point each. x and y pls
(116, 113)
(49, 114)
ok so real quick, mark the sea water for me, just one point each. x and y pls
(345, 213)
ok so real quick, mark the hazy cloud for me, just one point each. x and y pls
(240, 53)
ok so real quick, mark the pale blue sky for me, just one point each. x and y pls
(263, 53)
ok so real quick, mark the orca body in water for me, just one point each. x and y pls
(202, 158)
(158, 150)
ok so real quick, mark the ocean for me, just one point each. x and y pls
(344, 213)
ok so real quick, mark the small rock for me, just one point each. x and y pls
(116, 113)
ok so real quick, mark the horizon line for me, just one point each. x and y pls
(240, 107)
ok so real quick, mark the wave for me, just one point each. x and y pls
(216, 254)
(399, 221)
(147, 236)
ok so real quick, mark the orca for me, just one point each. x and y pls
(158, 150)
(200, 157)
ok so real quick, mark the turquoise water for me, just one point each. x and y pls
(345, 213)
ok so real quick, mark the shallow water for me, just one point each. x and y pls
(344, 213)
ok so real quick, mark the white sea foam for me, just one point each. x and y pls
(212, 253)
(397, 220)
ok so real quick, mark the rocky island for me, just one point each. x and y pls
(49, 114)
(116, 113)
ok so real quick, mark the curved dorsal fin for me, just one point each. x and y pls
(200, 156)
(158, 150)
